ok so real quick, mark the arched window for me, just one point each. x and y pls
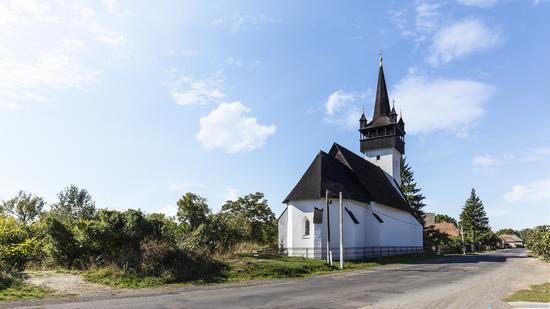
(306, 228)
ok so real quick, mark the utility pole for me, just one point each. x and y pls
(341, 232)
(328, 227)
(463, 244)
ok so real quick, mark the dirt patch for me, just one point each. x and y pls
(64, 284)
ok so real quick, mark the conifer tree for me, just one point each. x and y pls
(411, 191)
(473, 217)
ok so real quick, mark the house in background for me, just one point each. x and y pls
(377, 219)
(510, 241)
(447, 228)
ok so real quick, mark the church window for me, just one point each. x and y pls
(351, 215)
(377, 158)
(306, 228)
(378, 218)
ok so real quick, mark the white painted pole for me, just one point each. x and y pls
(463, 244)
(328, 227)
(341, 232)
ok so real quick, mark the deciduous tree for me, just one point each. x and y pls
(25, 207)
(192, 210)
(74, 203)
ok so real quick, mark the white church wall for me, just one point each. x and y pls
(302, 210)
(282, 224)
(389, 161)
(399, 228)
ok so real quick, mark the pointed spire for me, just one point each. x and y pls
(381, 58)
(393, 107)
(363, 119)
(382, 102)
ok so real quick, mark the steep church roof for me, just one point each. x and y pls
(381, 115)
(357, 178)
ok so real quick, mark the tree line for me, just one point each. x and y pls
(473, 218)
(73, 233)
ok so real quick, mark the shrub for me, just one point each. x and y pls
(155, 256)
(17, 245)
(538, 240)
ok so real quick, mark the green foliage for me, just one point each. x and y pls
(62, 247)
(507, 231)
(120, 278)
(74, 204)
(25, 207)
(17, 245)
(535, 293)
(192, 210)
(538, 240)
(13, 288)
(274, 267)
(411, 191)
(440, 218)
(523, 234)
(261, 224)
(474, 219)
(129, 246)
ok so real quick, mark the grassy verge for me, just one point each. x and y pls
(243, 268)
(535, 293)
(117, 277)
(13, 288)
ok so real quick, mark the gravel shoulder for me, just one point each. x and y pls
(67, 284)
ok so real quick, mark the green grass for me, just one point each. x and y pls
(535, 293)
(243, 268)
(117, 277)
(13, 288)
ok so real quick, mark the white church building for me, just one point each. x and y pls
(377, 219)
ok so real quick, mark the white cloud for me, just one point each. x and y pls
(440, 104)
(234, 61)
(239, 22)
(45, 46)
(188, 91)
(426, 19)
(479, 3)
(106, 36)
(485, 161)
(343, 108)
(231, 194)
(427, 16)
(536, 191)
(228, 128)
(461, 39)
(537, 154)
(530, 155)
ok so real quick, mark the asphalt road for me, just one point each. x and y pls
(472, 281)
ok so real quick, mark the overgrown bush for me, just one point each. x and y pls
(17, 245)
(538, 240)
(76, 235)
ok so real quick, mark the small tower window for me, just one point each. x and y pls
(306, 228)
(377, 158)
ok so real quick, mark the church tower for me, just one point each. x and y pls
(383, 139)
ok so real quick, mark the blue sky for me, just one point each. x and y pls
(140, 102)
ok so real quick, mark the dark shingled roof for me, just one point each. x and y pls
(343, 170)
(381, 115)
(382, 101)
